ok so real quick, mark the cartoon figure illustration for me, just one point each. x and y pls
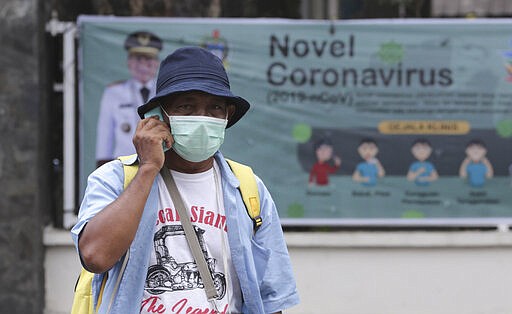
(422, 172)
(508, 64)
(370, 169)
(319, 174)
(476, 167)
(217, 45)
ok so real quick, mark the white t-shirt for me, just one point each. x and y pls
(172, 283)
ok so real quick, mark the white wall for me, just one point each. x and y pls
(403, 273)
(62, 267)
(362, 272)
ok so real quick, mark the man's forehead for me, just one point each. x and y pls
(368, 145)
(140, 55)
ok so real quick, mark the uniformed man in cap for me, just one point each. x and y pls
(118, 116)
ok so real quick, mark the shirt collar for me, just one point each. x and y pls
(149, 85)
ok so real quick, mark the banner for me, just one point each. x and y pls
(372, 120)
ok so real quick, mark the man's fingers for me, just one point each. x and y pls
(154, 130)
(168, 141)
(142, 123)
(153, 123)
(151, 120)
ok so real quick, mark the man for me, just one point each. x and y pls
(118, 117)
(194, 96)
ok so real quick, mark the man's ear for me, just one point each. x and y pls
(231, 111)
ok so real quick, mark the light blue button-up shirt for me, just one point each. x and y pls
(260, 259)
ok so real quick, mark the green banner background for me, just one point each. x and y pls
(314, 80)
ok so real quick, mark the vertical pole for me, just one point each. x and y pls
(317, 9)
(332, 7)
(68, 64)
(401, 9)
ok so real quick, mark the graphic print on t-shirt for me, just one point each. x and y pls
(173, 283)
(169, 274)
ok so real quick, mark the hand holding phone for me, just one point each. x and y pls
(157, 112)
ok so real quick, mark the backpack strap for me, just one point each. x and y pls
(83, 301)
(248, 190)
(248, 186)
(130, 167)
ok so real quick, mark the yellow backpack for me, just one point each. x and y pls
(83, 301)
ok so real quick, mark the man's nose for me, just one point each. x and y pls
(201, 111)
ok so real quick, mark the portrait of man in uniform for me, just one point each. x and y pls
(118, 116)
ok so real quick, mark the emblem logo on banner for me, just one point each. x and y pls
(216, 45)
(508, 63)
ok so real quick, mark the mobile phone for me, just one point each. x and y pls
(156, 112)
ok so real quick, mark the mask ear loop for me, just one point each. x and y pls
(168, 116)
(163, 110)
(227, 112)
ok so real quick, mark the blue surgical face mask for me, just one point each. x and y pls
(197, 138)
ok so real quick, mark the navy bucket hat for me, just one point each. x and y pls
(194, 69)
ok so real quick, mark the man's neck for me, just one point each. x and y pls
(174, 162)
(139, 83)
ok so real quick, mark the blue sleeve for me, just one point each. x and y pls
(359, 167)
(104, 185)
(278, 288)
